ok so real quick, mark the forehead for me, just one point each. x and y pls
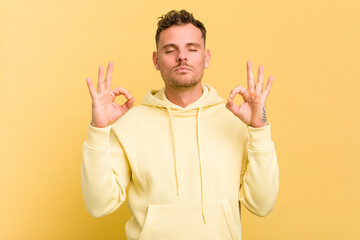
(180, 35)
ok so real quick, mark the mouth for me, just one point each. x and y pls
(182, 69)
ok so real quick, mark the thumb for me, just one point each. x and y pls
(231, 106)
(130, 102)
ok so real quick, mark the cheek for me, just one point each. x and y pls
(200, 63)
(199, 59)
(165, 62)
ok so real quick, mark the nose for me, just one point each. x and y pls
(181, 56)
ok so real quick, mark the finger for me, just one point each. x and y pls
(232, 106)
(250, 76)
(108, 79)
(268, 85)
(238, 89)
(119, 90)
(101, 84)
(130, 103)
(259, 84)
(127, 105)
(91, 88)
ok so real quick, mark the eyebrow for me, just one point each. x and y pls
(193, 44)
(188, 44)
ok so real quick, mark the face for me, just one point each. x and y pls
(181, 57)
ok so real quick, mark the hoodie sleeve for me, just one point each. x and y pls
(260, 173)
(105, 172)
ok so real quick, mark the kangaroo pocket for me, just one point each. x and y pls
(184, 221)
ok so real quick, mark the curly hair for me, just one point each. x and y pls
(178, 18)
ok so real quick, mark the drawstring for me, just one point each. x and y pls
(200, 163)
(174, 147)
(199, 152)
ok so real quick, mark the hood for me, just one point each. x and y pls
(157, 98)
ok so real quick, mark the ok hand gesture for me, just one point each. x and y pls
(252, 111)
(104, 110)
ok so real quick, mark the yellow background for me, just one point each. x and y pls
(48, 48)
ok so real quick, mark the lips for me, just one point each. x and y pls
(182, 69)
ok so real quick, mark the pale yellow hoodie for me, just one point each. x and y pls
(186, 169)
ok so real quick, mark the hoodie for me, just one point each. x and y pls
(183, 171)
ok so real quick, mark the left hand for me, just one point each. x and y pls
(252, 111)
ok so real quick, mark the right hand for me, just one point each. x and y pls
(104, 110)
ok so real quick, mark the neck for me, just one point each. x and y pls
(183, 96)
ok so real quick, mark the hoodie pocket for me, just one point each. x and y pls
(184, 221)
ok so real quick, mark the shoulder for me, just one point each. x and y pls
(130, 116)
(135, 117)
(222, 112)
(135, 112)
(222, 116)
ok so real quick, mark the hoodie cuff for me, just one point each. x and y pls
(98, 138)
(260, 138)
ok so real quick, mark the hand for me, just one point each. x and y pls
(104, 110)
(252, 111)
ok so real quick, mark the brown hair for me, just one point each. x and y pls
(178, 18)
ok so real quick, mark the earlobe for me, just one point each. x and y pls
(155, 60)
(207, 58)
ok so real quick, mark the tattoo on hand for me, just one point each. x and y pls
(264, 115)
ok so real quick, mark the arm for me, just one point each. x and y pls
(105, 171)
(260, 173)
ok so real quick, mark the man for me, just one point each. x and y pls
(186, 159)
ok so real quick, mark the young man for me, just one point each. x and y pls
(188, 161)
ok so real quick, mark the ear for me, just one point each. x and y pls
(207, 58)
(156, 60)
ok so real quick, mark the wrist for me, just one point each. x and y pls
(93, 124)
(259, 125)
(260, 120)
(260, 138)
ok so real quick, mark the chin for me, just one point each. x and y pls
(184, 84)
